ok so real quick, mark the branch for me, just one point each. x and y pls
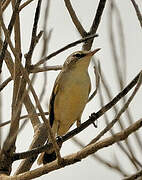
(45, 68)
(76, 157)
(75, 19)
(101, 160)
(23, 117)
(139, 15)
(25, 4)
(35, 37)
(95, 24)
(109, 94)
(134, 176)
(10, 27)
(84, 125)
(123, 109)
(5, 4)
(98, 16)
(4, 84)
(64, 48)
(120, 70)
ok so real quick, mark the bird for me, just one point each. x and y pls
(69, 97)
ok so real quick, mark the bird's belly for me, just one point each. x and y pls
(70, 104)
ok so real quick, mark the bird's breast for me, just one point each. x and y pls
(71, 99)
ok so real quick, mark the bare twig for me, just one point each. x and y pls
(115, 11)
(134, 176)
(109, 94)
(40, 136)
(110, 125)
(5, 4)
(84, 125)
(25, 4)
(23, 117)
(5, 83)
(14, 126)
(27, 163)
(75, 157)
(7, 142)
(64, 48)
(118, 69)
(98, 16)
(75, 19)
(25, 74)
(10, 27)
(139, 15)
(35, 38)
(45, 68)
(31, 109)
(100, 159)
(46, 40)
(95, 24)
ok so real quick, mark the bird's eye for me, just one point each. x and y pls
(79, 55)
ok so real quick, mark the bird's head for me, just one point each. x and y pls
(79, 59)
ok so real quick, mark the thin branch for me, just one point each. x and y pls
(35, 70)
(40, 136)
(30, 109)
(14, 126)
(9, 140)
(10, 27)
(25, 4)
(75, 19)
(137, 175)
(84, 125)
(25, 75)
(64, 48)
(115, 58)
(76, 157)
(5, 83)
(122, 39)
(111, 124)
(28, 63)
(98, 16)
(34, 39)
(109, 94)
(138, 12)
(5, 4)
(45, 68)
(95, 24)
(23, 117)
(101, 160)
(118, 69)
(46, 40)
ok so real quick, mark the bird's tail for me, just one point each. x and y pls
(45, 158)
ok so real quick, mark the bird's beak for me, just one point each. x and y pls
(93, 52)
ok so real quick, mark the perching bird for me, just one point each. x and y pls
(69, 96)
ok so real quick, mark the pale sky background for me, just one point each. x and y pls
(63, 33)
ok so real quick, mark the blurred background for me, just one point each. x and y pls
(62, 31)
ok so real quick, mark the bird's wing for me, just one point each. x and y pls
(51, 114)
(53, 96)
